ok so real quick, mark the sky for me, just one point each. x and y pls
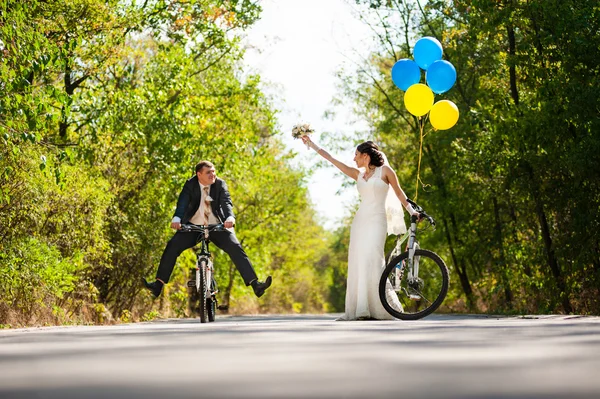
(297, 46)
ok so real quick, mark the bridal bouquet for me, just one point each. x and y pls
(302, 129)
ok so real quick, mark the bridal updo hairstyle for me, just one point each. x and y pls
(372, 150)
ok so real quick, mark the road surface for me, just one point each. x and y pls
(307, 356)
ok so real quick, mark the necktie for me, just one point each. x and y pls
(206, 205)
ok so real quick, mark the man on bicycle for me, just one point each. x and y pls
(205, 200)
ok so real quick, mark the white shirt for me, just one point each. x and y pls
(198, 217)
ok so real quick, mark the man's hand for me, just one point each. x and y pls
(175, 225)
(228, 225)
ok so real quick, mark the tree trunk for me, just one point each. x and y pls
(64, 120)
(502, 266)
(459, 265)
(512, 49)
(596, 261)
(549, 249)
(460, 268)
(71, 83)
(63, 125)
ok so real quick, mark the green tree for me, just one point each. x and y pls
(106, 108)
(509, 182)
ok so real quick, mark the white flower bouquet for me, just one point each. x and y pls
(302, 129)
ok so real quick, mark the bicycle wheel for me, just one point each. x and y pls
(211, 303)
(202, 292)
(418, 296)
(211, 307)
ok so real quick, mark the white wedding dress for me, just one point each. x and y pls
(366, 259)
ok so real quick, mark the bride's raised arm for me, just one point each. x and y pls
(347, 170)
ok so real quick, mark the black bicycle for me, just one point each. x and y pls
(204, 282)
(418, 277)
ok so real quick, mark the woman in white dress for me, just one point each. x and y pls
(377, 215)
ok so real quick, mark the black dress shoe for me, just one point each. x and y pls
(260, 288)
(155, 287)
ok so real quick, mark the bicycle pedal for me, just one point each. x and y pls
(223, 307)
(191, 283)
(415, 297)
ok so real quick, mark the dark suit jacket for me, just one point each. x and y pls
(189, 200)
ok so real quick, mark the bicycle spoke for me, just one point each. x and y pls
(423, 296)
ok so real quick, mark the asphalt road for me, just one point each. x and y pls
(307, 357)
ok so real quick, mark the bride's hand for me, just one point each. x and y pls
(310, 144)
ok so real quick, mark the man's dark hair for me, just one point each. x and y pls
(204, 164)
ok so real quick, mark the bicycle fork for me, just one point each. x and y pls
(413, 262)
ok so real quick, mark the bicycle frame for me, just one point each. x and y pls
(413, 263)
(203, 255)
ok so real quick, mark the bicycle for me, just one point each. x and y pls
(204, 283)
(419, 277)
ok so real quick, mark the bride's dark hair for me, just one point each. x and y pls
(372, 150)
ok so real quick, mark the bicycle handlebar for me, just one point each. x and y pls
(422, 213)
(198, 228)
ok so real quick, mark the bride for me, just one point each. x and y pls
(379, 212)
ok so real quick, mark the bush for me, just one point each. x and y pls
(34, 279)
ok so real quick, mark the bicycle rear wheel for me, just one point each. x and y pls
(202, 290)
(418, 296)
(211, 302)
(211, 307)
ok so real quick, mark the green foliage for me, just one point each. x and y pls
(338, 262)
(32, 272)
(106, 108)
(153, 314)
(515, 184)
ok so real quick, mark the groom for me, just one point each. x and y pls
(204, 200)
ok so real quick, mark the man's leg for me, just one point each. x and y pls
(176, 245)
(229, 243)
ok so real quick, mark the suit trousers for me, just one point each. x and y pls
(226, 240)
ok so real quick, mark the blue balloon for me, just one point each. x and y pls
(427, 50)
(440, 76)
(405, 73)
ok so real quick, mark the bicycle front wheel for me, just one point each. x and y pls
(411, 295)
(202, 290)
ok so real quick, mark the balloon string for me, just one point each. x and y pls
(421, 126)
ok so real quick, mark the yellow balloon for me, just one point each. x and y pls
(443, 115)
(418, 99)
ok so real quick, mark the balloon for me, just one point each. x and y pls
(427, 50)
(440, 76)
(443, 115)
(405, 73)
(418, 99)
